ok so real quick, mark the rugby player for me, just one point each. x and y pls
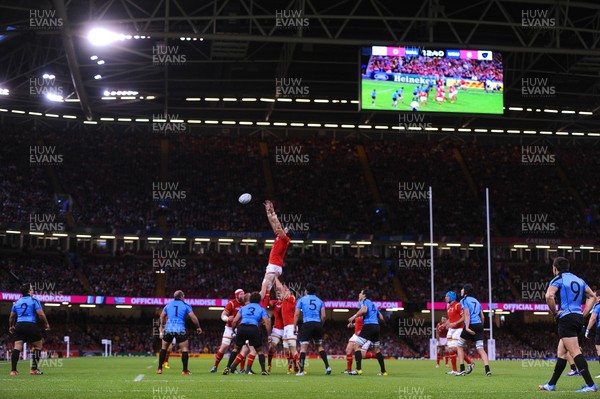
(22, 323)
(176, 311)
(455, 322)
(441, 331)
(313, 317)
(280, 246)
(473, 331)
(231, 310)
(571, 290)
(595, 320)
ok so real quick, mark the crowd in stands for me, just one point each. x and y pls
(439, 67)
(109, 180)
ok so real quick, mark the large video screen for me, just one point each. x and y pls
(431, 80)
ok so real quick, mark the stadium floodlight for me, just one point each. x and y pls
(103, 37)
(97, 77)
(55, 97)
(4, 92)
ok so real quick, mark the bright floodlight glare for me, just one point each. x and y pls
(106, 93)
(54, 97)
(94, 57)
(98, 77)
(101, 37)
(101, 62)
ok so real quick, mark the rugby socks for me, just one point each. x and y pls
(380, 360)
(232, 357)
(558, 369)
(14, 358)
(251, 362)
(161, 358)
(218, 358)
(446, 359)
(349, 359)
(302, 358)
(167, 357)
(462, 367)
(243, 363)
(453, 361)
(270, 356)
(573, 367)
(184, 360)
(487, 368)
(439, 357)
(296, 362)
(468, 359)
(35, 358)
(358, 357)
(582, 366)
(323, 355)
(261, 360)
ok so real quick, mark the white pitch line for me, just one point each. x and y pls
(138, 378)
(149, 367)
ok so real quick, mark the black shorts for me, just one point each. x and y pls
(570, 326)
(479, 334)
(179, 337)
(597, 339)
(313, 330)
(250, 333)
(27, 332)
(370, 332)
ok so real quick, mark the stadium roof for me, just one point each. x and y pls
(220, 60)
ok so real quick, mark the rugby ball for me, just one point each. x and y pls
(245, 198)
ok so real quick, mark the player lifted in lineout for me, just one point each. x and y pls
(280, 246)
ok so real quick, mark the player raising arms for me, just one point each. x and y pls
(455, 327)
(572, 290)
(231, 310)
(175, 329)
(280, 246)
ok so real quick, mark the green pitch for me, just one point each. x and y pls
(121, 378)
(472, 101)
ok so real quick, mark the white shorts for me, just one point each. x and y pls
(353, 338)
(453, 337)
(289, 338)
(276, 335)
(227, 336)
(452, 95)
(439, 99)
(278, 270)
(442, 341)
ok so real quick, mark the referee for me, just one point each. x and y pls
(25, 312)
(572, 290)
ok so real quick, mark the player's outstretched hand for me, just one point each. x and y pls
(199, 330)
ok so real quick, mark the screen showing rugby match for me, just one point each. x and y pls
(427, 80)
